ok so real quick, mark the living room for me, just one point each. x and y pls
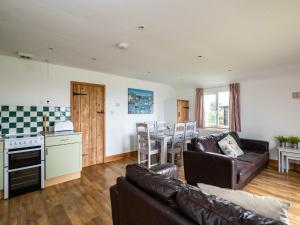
(78, 78)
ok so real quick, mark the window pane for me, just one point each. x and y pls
(210, 106)
(223, 109)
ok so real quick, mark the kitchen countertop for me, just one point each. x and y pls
(62, 133)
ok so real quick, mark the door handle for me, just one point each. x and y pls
(102, 112)
(46, 151)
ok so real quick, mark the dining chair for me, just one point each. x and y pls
(190, 132)
(152, 126)
(146, 147)
(161, 126)
(177, 144)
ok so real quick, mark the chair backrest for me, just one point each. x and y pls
(190, 129)
(143, 136)
(178, 133)
(151, 126)
(161, 126)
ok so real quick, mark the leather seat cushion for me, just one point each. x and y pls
(256, 158)
(209, 209)
(162, 187)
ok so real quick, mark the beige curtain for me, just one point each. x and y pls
(234, 107)
(200, 107)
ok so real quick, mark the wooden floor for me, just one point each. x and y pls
(86, 200)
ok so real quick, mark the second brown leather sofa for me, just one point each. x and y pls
(204, 162)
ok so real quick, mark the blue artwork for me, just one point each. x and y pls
(140, 101)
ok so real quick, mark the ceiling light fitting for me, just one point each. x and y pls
(122, 45)
(24, 55)
(141, 27)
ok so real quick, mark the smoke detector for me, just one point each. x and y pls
(24, 55)
(122, 45)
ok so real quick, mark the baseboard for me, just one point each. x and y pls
(293, 166)
(62, 179)
(112, 158)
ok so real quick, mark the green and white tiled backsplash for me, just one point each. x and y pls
(29, 119)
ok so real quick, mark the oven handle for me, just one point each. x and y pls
(21, 151)
(24, 168)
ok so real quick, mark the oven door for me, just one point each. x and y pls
(24, 157)
(24, 180)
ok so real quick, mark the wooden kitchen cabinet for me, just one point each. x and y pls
(1, 165)
(63, 158)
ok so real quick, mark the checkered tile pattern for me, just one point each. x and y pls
(29, 119)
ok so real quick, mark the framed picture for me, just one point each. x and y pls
(140, 101)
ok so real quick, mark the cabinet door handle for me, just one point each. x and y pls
(46, 151)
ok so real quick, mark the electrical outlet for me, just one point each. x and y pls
(296, 94)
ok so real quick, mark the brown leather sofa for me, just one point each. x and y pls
(205, 163)
(147, 198)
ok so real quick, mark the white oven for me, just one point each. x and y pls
(24, 164)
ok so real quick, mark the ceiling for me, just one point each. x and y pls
(235, 38)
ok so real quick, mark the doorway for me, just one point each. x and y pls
(88, 116)
(183, 110)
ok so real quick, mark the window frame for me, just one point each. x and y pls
(216, 91)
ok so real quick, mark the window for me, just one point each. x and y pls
(216, 107)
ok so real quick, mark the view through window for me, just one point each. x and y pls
(216, 106)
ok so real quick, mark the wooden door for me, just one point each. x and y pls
(87, 103)
(182, 110)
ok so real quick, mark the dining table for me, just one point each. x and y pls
(163, 138)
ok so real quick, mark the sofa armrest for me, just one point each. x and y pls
(254, 145)
(209, 168)
(114, 199)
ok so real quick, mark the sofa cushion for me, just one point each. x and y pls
(254, 158)
(236, 137)
(211, 210)
(229, 147)
(205, 144)
(162, 187)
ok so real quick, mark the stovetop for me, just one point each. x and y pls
(23, 140)
(22, 136)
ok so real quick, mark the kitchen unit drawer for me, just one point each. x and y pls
(62, 140)
(63, 159)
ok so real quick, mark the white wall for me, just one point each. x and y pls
(267, 108)
(28, 83)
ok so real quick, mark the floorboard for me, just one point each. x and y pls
(86, 201)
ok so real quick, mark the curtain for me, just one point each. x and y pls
(200, 107)
(234, 107)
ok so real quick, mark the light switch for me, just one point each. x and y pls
(296, 95)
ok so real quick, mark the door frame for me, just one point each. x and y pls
(72, 83)
(177, 108)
